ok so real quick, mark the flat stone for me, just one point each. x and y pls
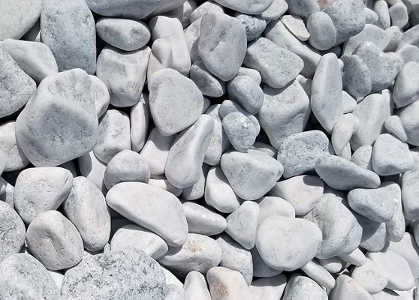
(299, 152)
(40, 189)
(218, 192)
(128, 35)
(278, 238)
(341, 231)
(322, 31)
(301, 287)
(57, 30)
(199, 253)
(410, 123)
(12, 232)
(26, 277)
(16, 160)
(196, 287)
(302, 192)
(226, 284)
(251, 7)
(123, 273)
(174, 114)
(222, 45)
(140, 123)
(188, 152)
(55, 241)
(251, 175)
(240, 131)
(60, 122)
(202, 220)
(296, 26)
(133, 236)
(242, 224)
(277, 65)
(406, 89)
(348, 288)
(151, 207)
(284, 112)
(87, 210)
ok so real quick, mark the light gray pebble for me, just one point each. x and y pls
(356, 77)
(406, 88)
(394, 125)
(73, 46)
(24, 276)
(303, 192)
(362, 157)
(139, 121)
(284, 112)
(156, 150)
(303, 8)
(87, 210)
(40, 189)
(342, 132)
(251, 175)
(240, 131)
(381, 9)
(208, 84)
(277, 65)
(197, 190)
(196, 287)
(55, 241)
(296, 26)
(12, 232)
(123, 273)
(374, 235)
(399, 14)
(229, 106)
(114, 135)
(260, 268)
(246, 91)
(341, 231)
(369, 277)
(408, 249)
(410, 192)
(248, 6)
(222, 44)
(299, 152)
(184, 162)
(152, 208)
(410, 122)
(322, 31)
(395, 36)
(102, 98)
(171, 279)
(218, 192)
(371, 33)
(242, 224)
(126, 166)
(333, 265)
(255, 25)
(60, 122)
(92, 168)
(371, 16)
(16, 160)
(198, 253)
(202, 220)
(235, 257)
(164, 184)
(128, 35)
(397, 225)
(219, 141)
(192, 33)
(205, 8)
(268, 288)
(319, 274)
(252, 73)
(224, 282)
(301, 287)
(408, 53)
(133, 236)
(275, 206)
(349, 289)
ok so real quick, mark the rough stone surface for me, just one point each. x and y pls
(12, 232)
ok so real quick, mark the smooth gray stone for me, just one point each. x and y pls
(224, 283)
(410, 192)
(303, 8)
(229, 106)
(372, 112)
(260, 268)
(197, 190)
(275, 10)
(284, 112)
(186, 156)
(342, 132)
(390, 156)
(92, 168)
(87, 210)
(160, 58)
(278, 238)
(301, 287)
(103, 99)
(25, 277)
(371, 16)
(124, 74)
(268, 288)
(235, 257)
(341, 231)
(73, 46)
(34, 58)
(406, 87)
(252, 73)
(126, 166)
(113, 135)
(322, 31)
(192, 33)
(17, 87)
(408, 249)
(277, 65)
(54, 240)
(374, 235)
(128, 35)
(383, 67)
(410, 122)
(240, 131)
(196, 287)
(356, 77)
(152, 208)
(251, 7)
(124, 274)
(255, 25)
(140, 122)
(296, 26)
(348, 17)
(275, 206)
(16, 160)
(222, 45)
(332, 265)
(242, 224)
(132, 236)
(326, 92)
(60, 122)
(395, 36)
(371, 33)
(251, 175)
(381, 9)
(40, 189)
(199, 253)
(175, 101)
(245, 91)
(348, 289)
(299, 152)
(12, 232)
(397, 225)
(18, 17)
(165, 185)
(369, 277)
(342, 174)
(204, 8)
(208, 84)
(202, 220)
(362, 157)
(156, 150)
(378, 204)
(394, 125)
(302, 192)
(218, 192)
(319, 274)
(280, 35)
(219, 141)
(408, 53)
